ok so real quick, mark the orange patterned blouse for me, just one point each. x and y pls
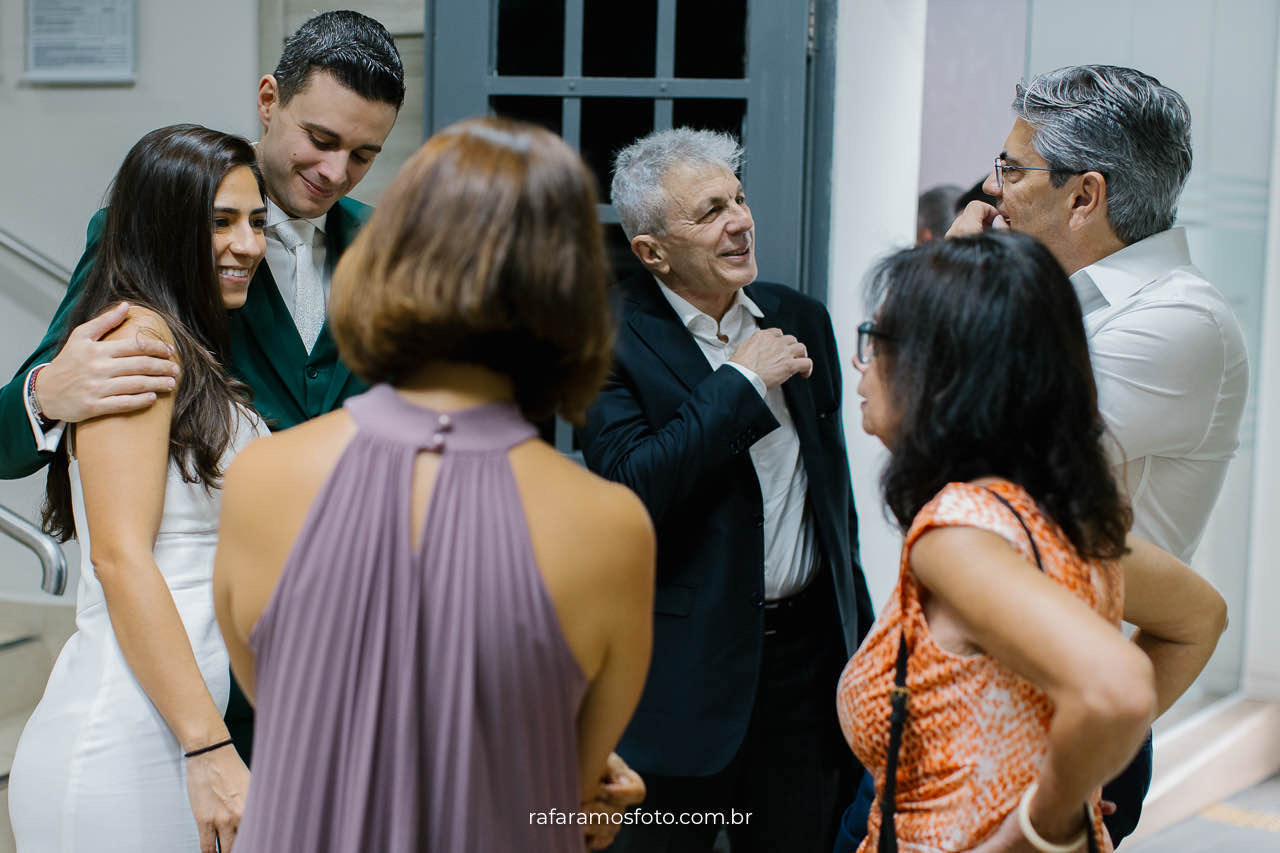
(976, 732)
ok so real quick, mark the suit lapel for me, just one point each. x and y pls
(272, 327)
(656, 324)
(797, 391)
(343, 229)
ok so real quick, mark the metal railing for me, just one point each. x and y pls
(34, 256)
(53, 563)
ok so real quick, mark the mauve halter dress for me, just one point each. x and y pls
(415, 700)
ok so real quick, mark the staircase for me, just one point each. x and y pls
(31, 634)
(33, 627)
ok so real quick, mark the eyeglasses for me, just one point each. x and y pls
(1002, 167)
(867, 334)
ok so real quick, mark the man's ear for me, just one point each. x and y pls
(268, 98)
(1088, 201)
(651, 253)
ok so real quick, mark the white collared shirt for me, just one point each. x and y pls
(1172, 373)
(789, 544)
(281, 259)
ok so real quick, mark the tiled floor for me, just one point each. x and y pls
(1247, 822)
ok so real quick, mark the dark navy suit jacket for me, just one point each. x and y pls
(678, 433)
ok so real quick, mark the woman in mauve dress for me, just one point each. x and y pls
(444, 623)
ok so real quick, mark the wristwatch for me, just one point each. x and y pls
(34, 404)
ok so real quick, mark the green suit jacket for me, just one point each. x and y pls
(289, 386)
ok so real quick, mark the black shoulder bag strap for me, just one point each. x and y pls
(888, 842)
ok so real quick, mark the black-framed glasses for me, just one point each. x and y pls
(867, 334)
(1002, 167)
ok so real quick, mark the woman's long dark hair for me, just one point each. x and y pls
(157, 252)
(988, 365)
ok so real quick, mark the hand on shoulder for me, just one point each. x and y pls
(117, 362)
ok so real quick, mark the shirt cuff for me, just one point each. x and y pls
(46, 442)
(756, 382)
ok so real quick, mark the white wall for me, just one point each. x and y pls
(879, 78)
(1262, 632)
(197, 62)
(61, 145)
(968, 86)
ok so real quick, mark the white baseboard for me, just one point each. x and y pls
(1229, 746)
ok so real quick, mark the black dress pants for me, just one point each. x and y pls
(784, 788)
(1127, 791)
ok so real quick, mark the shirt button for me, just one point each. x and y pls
(312, 373)
(444, 423)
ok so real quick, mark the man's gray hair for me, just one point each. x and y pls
(1122, 123)
(638, 170)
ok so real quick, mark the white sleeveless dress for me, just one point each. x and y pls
(97, 768)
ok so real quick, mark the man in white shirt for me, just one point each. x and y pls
(722, 413)
(1093, 168)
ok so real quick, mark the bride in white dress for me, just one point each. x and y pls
(127, 749)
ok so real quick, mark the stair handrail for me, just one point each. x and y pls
(34, 256)
(53, 562)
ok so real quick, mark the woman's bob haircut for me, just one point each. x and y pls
(485, 250)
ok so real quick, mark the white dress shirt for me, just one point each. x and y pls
(281, 259)
(789, 544)
(1172, 375)
(46, 442)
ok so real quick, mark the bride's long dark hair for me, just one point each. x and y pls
(156, 252)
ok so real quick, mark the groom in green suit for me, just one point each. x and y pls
(325, 113)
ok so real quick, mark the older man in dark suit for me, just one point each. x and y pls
(723, 414)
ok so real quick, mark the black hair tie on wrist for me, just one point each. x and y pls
(202, 750)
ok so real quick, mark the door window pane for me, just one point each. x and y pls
(619, 39)
(531, 38)
(725, 114)
(622, 261)
(542, 111)
(711, 38)
(609, 124)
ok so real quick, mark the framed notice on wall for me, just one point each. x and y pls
(81, 41)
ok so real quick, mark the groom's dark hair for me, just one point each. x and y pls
(354, 48)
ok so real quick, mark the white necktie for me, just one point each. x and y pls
(308, 294)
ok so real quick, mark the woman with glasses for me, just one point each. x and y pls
(995, 693)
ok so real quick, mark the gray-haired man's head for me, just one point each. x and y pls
(1121, 123)
(684, 211)
(637, 192)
